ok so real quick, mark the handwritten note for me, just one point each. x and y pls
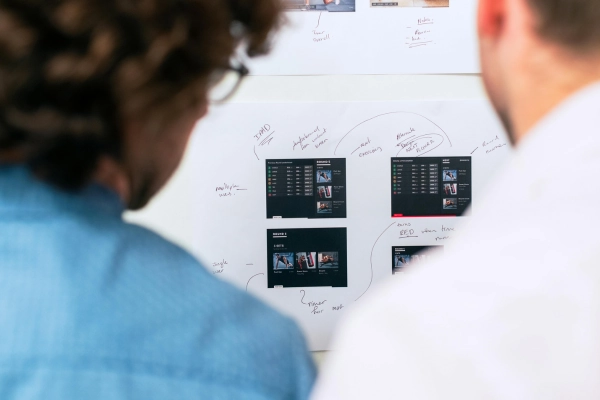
(420, 34)
(447, 231)
(418, 145)
(319, 34)
(228, 189)
(316, 138)
(498, 146)
(366, 148)
(260, 135)
(491, 146)
(316, 307)
(219, 266)
(405, 133)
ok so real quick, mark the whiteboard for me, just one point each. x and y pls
(375, 40)
(229, 233)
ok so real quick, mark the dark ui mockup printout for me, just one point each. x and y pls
(306, 188)
(430, 186)
(307, 257)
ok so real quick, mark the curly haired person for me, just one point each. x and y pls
(97, 101)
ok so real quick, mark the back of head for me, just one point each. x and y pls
(574, 24)
(73, 71)
(536, 53)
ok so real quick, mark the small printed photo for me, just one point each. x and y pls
(323, 175)
(328, 259)
(411, 256)
(449, 175)
(402, 260)
(283, 260)
(324, 192)
(320, 5)
(324, 207)
(449, 204)
(306, 260)
(410, 3)
(450, 189)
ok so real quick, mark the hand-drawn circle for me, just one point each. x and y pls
(419, 143)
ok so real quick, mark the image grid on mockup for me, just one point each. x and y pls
(307, 257)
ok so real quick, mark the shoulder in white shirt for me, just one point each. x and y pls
(513, 312)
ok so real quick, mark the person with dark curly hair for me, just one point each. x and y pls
(97, 101)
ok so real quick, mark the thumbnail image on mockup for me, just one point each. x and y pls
(405, 256)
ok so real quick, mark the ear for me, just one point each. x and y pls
(491, 17)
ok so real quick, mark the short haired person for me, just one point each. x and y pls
(513, 311)
(97, 101)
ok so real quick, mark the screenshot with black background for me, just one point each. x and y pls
(306, 188)
(404, 256)
(307, 257)
(430, 186)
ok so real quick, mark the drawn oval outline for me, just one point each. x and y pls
(427, 136)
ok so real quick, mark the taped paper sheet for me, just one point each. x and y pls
(311, 206)
(374, 37)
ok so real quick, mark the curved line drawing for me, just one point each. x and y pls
(371, 259)
(393, 112)
(319, 21)
(303, 294)
(251, 279)
(256, 154)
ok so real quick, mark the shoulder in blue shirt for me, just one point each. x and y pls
(94, 308)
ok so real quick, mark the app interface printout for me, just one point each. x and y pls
(404, 256)
(307, 257)
(430, 186)
(306, 188)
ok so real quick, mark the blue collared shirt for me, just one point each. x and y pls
(94, 308)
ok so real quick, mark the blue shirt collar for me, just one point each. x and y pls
(21, 191)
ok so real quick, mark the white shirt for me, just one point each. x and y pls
(513, 311)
